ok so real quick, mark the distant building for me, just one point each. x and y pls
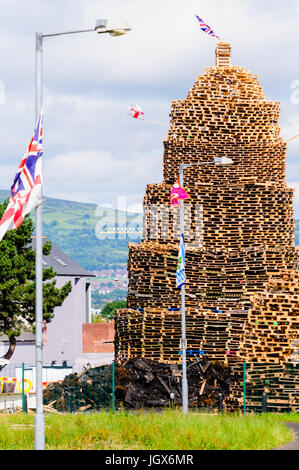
(63, 351)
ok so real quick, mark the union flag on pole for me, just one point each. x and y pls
(26, 191)
(177, 193)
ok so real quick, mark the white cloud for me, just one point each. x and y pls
(91, 79)
(103, 177)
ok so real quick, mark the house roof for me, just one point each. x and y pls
(62, 264)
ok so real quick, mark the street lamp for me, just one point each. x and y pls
(217, 161)
(114, 28)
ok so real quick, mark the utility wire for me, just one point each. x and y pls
(85, 147)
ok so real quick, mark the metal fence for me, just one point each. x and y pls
(262, 388)
(91, 390)
(270, 387)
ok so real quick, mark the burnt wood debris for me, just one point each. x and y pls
(140, 384)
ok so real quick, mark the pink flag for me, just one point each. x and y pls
(45, 332)
(136, 112)
(26, 188)
(177, 193)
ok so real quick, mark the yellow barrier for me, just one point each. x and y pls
(18, 384)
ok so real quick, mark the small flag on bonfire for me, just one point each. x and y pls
(180, 270)
(177, 193)
(26, 191)
(136, 112)
(206, 28)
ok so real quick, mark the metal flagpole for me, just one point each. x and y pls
(39, 416)
(217, 161)
(183, 340)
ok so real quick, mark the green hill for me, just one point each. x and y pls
(75, 228)
(72, 226)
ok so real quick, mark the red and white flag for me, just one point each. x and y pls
(26, 191)
(136, 112)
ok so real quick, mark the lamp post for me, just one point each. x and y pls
(217, 161)
(114, 28)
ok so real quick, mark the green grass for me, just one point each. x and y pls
(169, 430)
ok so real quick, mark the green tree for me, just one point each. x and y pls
(109, 309)
(17, 283)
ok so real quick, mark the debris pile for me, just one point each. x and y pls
(142, 383)
(91, 389)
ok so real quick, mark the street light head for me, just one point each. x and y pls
(113, 27)
(223, 161)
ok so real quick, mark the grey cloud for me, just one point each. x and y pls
(90, 81)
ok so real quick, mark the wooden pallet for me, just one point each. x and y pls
(241, 263)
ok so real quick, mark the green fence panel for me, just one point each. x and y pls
(89, 391)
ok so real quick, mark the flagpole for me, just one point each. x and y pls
(39, 415)
(183, 319)
(217, 161)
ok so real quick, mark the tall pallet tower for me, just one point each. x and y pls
(242, 296)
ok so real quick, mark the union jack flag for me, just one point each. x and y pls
(206, 28)
(26, 191)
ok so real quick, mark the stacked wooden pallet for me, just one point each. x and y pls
(268, 161)
(233, 215)
(239, 232)
(278, 381)
(226, 114)
(269, 347)
(272, 329)
(215, 278)
(157, 332)
(223, 54)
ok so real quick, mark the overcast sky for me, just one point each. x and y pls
(93, 152)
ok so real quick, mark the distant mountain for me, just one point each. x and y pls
(77, 228)
(3, 194)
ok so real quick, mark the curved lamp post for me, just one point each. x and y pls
(114, 28)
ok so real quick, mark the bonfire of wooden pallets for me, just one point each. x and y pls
(241, 263)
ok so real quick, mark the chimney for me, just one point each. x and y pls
(223, 54)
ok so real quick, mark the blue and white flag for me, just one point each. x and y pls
(180, 270)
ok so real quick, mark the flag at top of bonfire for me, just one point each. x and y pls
(177, 193)
(26, 191)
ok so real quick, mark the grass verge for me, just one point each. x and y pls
(169, 430)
